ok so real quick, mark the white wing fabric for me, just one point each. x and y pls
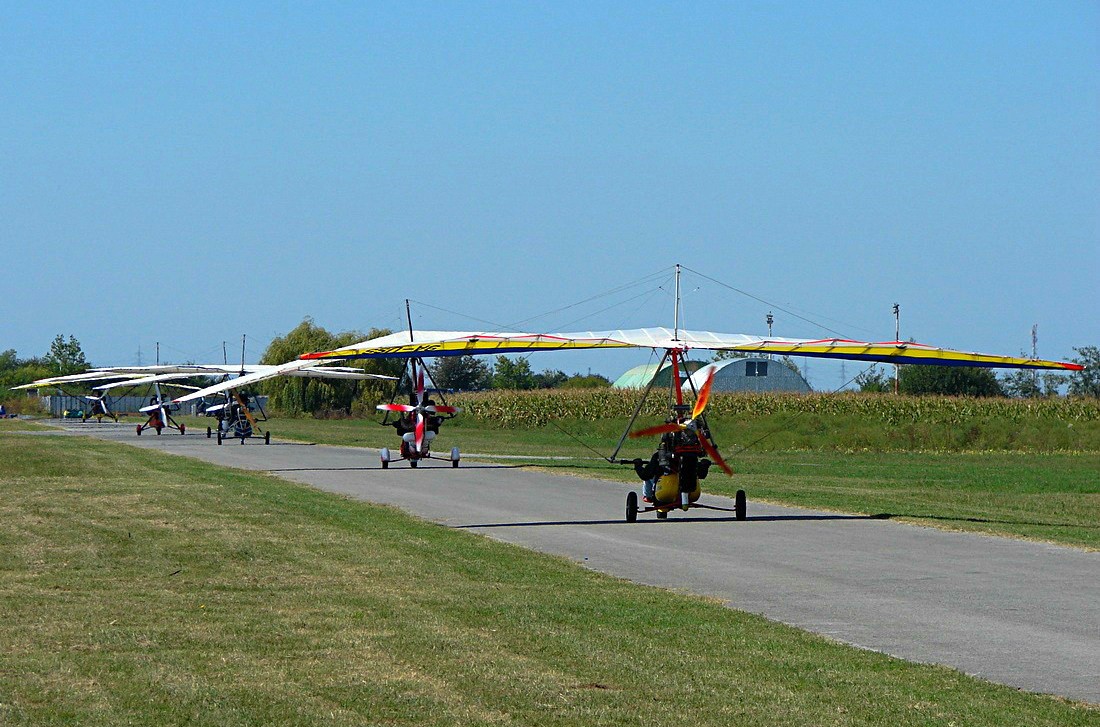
(299, 367)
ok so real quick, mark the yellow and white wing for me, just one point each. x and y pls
(430, 344)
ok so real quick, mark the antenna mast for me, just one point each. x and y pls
(243, 337)
(676, 308)
(409, 317)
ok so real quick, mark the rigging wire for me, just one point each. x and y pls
(766, 302)
(794, 417)
(647, 294)
(626, 286)
(579, 441)
(499, 327)
(496, 326)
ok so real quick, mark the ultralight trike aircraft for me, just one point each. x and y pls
(235, 414)
(239, 412)
(671, 478)
(418, 421)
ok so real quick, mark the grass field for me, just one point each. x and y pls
(140, 588)
(1044, 496)
(20, 425)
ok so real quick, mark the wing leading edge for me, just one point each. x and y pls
(431, 344)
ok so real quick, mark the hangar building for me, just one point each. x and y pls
(752, 374)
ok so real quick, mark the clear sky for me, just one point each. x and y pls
(185, 173)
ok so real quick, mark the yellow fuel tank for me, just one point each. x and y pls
(668, 489)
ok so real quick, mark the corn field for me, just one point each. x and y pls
(531, 409)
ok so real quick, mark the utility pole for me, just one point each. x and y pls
(770, 319)
(1035, 341)
(897, 337)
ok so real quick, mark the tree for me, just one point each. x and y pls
(550, 379)
(1087, 382)
(1030, 384)
(66, 357)
(461, 373)
(949, 380)
(874, 380)
(308, 395)
(512, 374)
(589, 381)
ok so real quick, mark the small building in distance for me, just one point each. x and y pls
(756, 374)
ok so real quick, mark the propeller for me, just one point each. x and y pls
(421, 408)
(704, 439)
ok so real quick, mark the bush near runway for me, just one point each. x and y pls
(140, 588)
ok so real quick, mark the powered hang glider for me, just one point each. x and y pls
(158, 410)
(239, 413)
(235, 411)
(418, 421)
(687, 448)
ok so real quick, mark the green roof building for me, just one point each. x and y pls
(639, 376)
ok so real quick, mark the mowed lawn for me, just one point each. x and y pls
(140, 588)
(1043, 496)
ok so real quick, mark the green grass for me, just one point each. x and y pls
(1042, 496)
(21, 425)
(146, 589)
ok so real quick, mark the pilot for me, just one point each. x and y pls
(403, 424)
(434, 421)
(648, 472)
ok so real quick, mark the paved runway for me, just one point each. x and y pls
(1018, 613)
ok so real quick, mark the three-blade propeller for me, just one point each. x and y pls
(420, 408)
(704, 439)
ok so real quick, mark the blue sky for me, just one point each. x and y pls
(185, 175)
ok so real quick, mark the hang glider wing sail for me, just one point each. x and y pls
(162, 374)
(898, 352)
(299, 367)
(86, 377)
(430, 344)
(157, 379)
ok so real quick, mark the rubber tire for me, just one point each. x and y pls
(139, 430)
(242, 440)
(662, 514)
(158, 431)
(209, 432)
(267, 437)
(183, 428)
(385, 465)
(740, 505)
(219, 437)
(631, 507)
(454, 464)
(413, 463)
